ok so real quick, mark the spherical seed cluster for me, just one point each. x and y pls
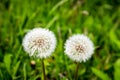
(79, 48)
(39, 42)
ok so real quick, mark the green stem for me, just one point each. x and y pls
(76, 72)
(43, 69)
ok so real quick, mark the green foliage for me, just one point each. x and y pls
(100, 74)
(98, 19)
(7, 62)
(117, 70)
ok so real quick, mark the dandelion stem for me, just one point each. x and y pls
(43, 69)
(76, 72)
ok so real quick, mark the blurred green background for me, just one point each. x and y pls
(98, 19)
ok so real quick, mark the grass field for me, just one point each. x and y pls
(98, 19)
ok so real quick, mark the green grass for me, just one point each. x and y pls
(64, 18)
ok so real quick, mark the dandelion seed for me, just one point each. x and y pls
(39, 42)
(79, 48)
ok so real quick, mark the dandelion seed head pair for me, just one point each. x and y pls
(41, 43)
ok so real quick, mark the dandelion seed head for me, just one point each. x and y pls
(39, 42)
(79, 48)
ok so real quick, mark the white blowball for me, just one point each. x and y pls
(79, 48)
(39, 43)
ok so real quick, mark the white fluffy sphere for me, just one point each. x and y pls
(79, 48)
(39, 42)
